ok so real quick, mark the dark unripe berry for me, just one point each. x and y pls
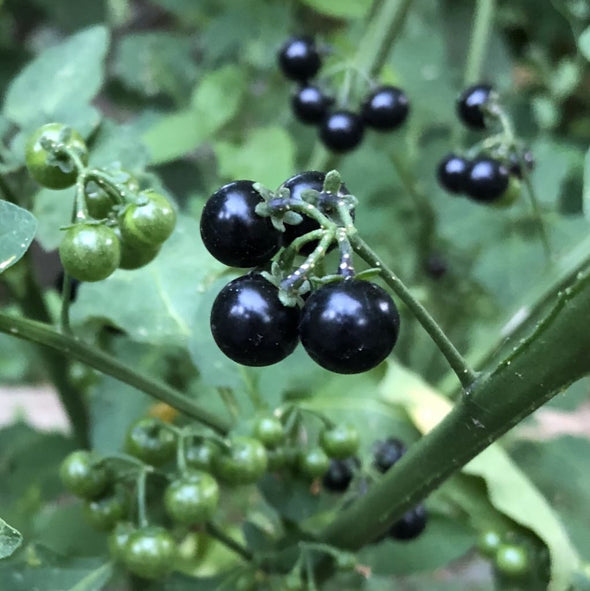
(486, 180)
(411, 525)
(386, 108)
(342, 131)
(299, 59)
(310, 105)
(387, 453)
(452, 173)
(470, 105)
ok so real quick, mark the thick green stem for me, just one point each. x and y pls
(233, 545)
(482, 25)
(465, 374)
(553, 357)
(65, 345)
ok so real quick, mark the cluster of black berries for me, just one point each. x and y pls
(346, 326)
(385, 108)
(488, 178)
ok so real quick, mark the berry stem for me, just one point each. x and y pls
(43, 334)
(483, 20)
(216, 532)
(538, 367)
(141, 508)
(465, 374)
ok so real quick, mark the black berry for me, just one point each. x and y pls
(251, 325)
(310, 105)
(514, 164)
(340, 474)
(486, 180)
(470, 105)
(233, 232)
(411, 525)
(299, 59)
(387, 453)
(341, 131)
(386, 108)
(452, 172)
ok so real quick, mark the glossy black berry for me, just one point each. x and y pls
(452, 172)
(386, 108)
(299, 59)
(340, 474)
(411, 525)
(250, 324)
(310, 104)
(487, 180)
(387, 453)
(349, 326)
(342, 131)
(470, 105)
(514, 165)
(305, 181)
(233, 232)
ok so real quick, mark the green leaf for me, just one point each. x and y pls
(10, 539)
(529, 508)
(266, 156)
(17, 230)
(215, 101)
(157, 303)
(584, 43)
(118, 143)
(59, 80)
(348, 9)
(157, 63)
(53, 209)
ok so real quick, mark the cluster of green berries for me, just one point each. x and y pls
(116, 225)
(346, 325)
(511, 557)
(493, 176)
(385, 108)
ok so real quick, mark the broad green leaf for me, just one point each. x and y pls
(115, 143)
(17, 230)
(53, 209)
(267, 155)
(215, 101)
(157, 63)
(584, 43)
(349, 9)
(157, 303)
(10, 539)
(56, 82)
(529, 508)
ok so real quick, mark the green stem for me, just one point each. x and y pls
(221, 536)
(71, 347)
(542, 365)
(141, 504)
(458, 364)
(482, 24)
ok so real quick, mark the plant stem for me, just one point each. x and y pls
(220, 536)
(553, 357)
(465, 374)
(37, 332)
(482, 25)
(141, 505)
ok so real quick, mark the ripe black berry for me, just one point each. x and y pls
(250, 324)
(470, 103)
(386, 108)
(314, 180)
(310, 104)
(340, 474)
(387, 453)
(299, 59)
(435, 266)
(451, 173)
(486, 180)
(233, 232)
(411, 525)
(349, 326)
(342, 131)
